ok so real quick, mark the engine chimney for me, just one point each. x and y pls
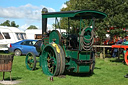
(44, 21)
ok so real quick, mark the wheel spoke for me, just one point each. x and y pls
(48, 60)
(32, 61)
(49, 65)
(49, 54)
(53, 60)
(30, 57)
(51, 69)
(29, 63)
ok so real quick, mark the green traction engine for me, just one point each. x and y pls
(66, 51)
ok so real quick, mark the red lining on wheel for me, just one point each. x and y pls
(126, 58)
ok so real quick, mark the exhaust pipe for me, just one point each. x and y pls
(44, 21)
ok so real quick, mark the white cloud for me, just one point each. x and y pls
(63, 6)
(50, 27)
(24, 27)
(27, 14)
(27, 11)
(2, 20)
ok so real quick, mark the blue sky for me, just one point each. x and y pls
(28, 12)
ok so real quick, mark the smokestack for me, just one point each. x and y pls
(44, 21)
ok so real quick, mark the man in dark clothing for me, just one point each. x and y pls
(115, 51)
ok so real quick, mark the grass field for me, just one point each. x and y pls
(107, 72)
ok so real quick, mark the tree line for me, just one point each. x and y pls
(13, 24)
(9, 24)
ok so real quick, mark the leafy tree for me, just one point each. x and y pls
(115, 9)
(7, 23)
(32, 27)
(13, 24)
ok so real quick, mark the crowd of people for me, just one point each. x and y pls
(115, 40)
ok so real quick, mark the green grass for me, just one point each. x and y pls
(106, 72)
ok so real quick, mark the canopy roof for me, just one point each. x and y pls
(85, 14)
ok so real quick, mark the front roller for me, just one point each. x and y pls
(53, 60)
(30, 61)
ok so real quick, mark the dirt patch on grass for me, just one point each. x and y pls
(9, 82)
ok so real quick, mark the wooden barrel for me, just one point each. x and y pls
(6, 63)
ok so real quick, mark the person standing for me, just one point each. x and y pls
(115, 51)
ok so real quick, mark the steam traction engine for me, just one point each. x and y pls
(66, 51)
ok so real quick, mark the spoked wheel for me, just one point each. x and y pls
(53, 60)
(30, 61)
(93, 62)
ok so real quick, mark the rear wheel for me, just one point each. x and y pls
(17, 52)
(53, 60)
(62, 56)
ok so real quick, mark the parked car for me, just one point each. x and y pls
(23, 47)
